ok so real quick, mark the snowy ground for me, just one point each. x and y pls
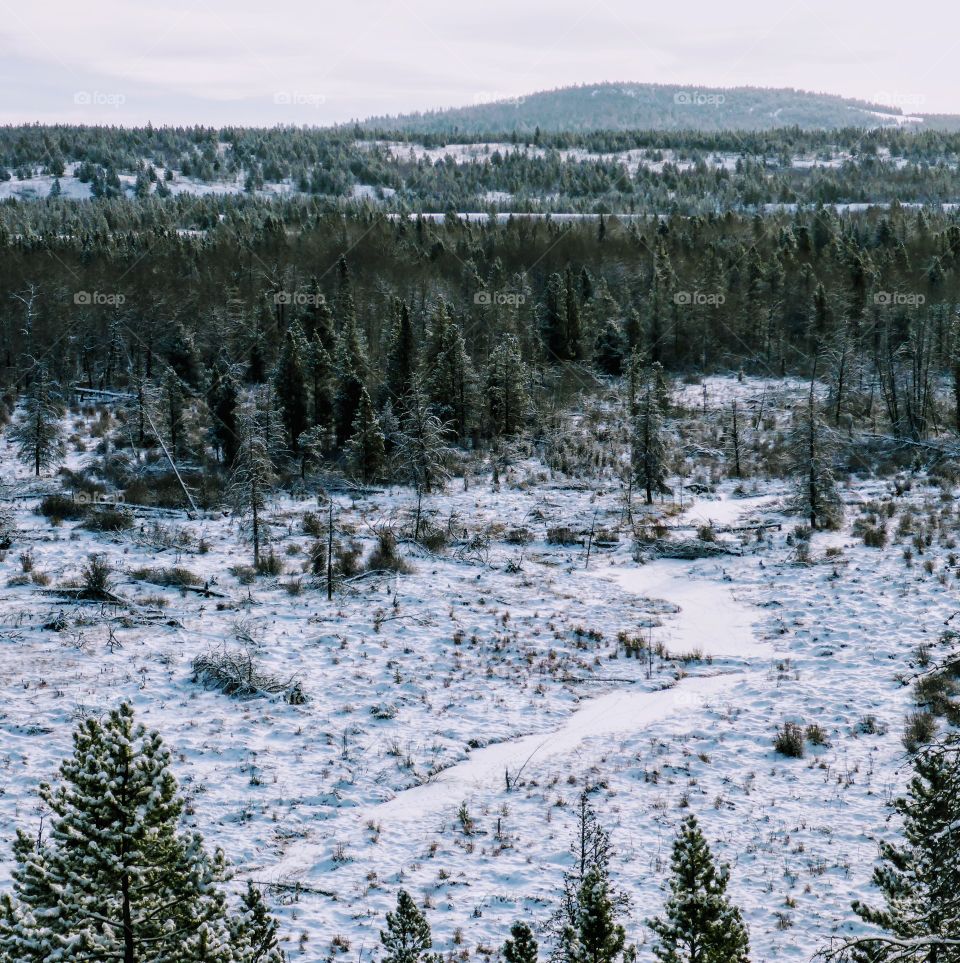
(491, 662)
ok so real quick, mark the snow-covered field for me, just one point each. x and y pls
(491, 675)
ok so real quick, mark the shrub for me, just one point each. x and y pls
(346, 559)
(562, 535)
(875, 536)
(937, 690)
(919, 730)
(318, 557)
(6, 529)
(789, 741)
(109, 520)
(95, 577)
(63, 507)
(385, 557)
(245, 574)
(816, 736)
(869, 725)
(173, 577)
(518, 536)
(270, 565)
(312, 525)
(383, 710)
(433, 538)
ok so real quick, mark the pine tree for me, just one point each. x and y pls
(633, 332)
(402, 361)
(183, 356)
(351, 363)
(290, 387)
(594, 935)
(317, 321)
(320, 369)
(919, 878)
(699, 925)
(571, 330)
(312, 445)
(223, 402)
(253, 931)
(521, 947)
(421, 444)
(116, 878)
(822, 318)
(506, 388)
(173, 410)
(344, 308)
(648, 449)
(366, 444)
(609, 338)
(448, 376)
(407, 936)
(555, 319)
(37, 434)
(591, 850)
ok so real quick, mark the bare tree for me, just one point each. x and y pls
(28, 298)
(812, 447)
(734, 440)
(253, 475)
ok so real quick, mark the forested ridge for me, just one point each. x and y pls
(599, 171)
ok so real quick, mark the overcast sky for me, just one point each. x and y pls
(295, 61)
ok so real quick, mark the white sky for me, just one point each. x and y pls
(294, 61)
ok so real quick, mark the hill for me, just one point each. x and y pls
(630, 106)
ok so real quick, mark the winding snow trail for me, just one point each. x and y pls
(708, 619)
(607, 715)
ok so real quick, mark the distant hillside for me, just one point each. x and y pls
(657, 107)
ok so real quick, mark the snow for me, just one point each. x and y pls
(497, 660)
(710, 619)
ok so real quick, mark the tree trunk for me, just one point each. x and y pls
(330, 554)
(129, 955)
(256, 526)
